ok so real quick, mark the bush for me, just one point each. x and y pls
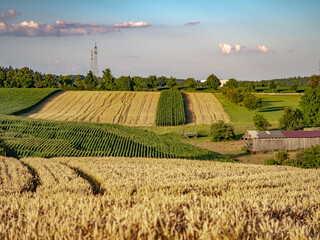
(291, 119)
(251, 102)
(260, 122)
(270, 162)
(309, 158)
(282, 156)
(221, 131)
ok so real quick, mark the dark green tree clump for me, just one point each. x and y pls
(212, 82)
(221, 131)
(292, 119)
(310, 107)
(191, 83)
(232, 83)
(260, 122)
(241, 97)
(314, 81)
(171, 110)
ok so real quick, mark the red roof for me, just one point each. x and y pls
(301, 134)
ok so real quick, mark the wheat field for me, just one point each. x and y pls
(135, 198)
(204, 108)
(128, 108)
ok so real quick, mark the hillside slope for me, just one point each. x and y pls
(19, 100)
(44, 138)
(128, 108)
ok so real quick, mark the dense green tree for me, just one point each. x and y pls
(291, 119)
(49, 81)
(11, 79)
(79, 83)
(162, 81)
(251, 102)
(263, 83)
(310, 107)
(171, 82)
(251, 86)
(212, 82)
(140, 84)
(294, 86)
(232, 83)
(152, 81)
(260, 122)
(2, 77)
(191, 83)
(25, 78)
(37, 80)
(221, 131)
(124, 83)
(107, 80)
(314, 81)
(90, 81)
(272, 85)
(66, 81)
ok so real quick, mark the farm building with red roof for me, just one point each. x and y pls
(275, 140)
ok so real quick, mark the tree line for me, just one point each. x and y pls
(27, 78)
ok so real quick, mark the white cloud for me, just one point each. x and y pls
(237, 48)
(62, 28)
(225, 48)
(132, 25)
(263, 48)
(10, 15)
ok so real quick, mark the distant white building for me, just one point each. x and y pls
(221, 81)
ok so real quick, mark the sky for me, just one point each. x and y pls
(244, 39)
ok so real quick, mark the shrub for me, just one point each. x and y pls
(251, 102)
(221, 131)
(309, 158)
(282, 156)
(291, 119)
(270, 162)
(260, 122)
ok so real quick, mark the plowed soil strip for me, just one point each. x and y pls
(128, 108)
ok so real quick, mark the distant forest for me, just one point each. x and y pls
(28, 78)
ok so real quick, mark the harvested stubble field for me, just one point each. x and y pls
(204, 108)
(139, 198)
(128, 108)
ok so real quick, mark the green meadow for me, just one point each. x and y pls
(14, 100)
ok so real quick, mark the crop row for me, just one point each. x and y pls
(171, 110)
(43, 138)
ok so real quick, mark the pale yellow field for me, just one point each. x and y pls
(128, 108)
(204, 108)
(159, 199)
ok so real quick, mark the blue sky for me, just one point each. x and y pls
(246, 40)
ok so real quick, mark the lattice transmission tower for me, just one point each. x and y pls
(94, 60)
(95, 63)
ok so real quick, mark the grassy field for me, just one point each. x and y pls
(127, 108)
(137, 198)
(45, 138)
(13, 100)
(272, 108)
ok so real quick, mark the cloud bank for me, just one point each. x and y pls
(228, 49)
(62, 28)
(10, 15)
(132, 25)
(192, 23)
